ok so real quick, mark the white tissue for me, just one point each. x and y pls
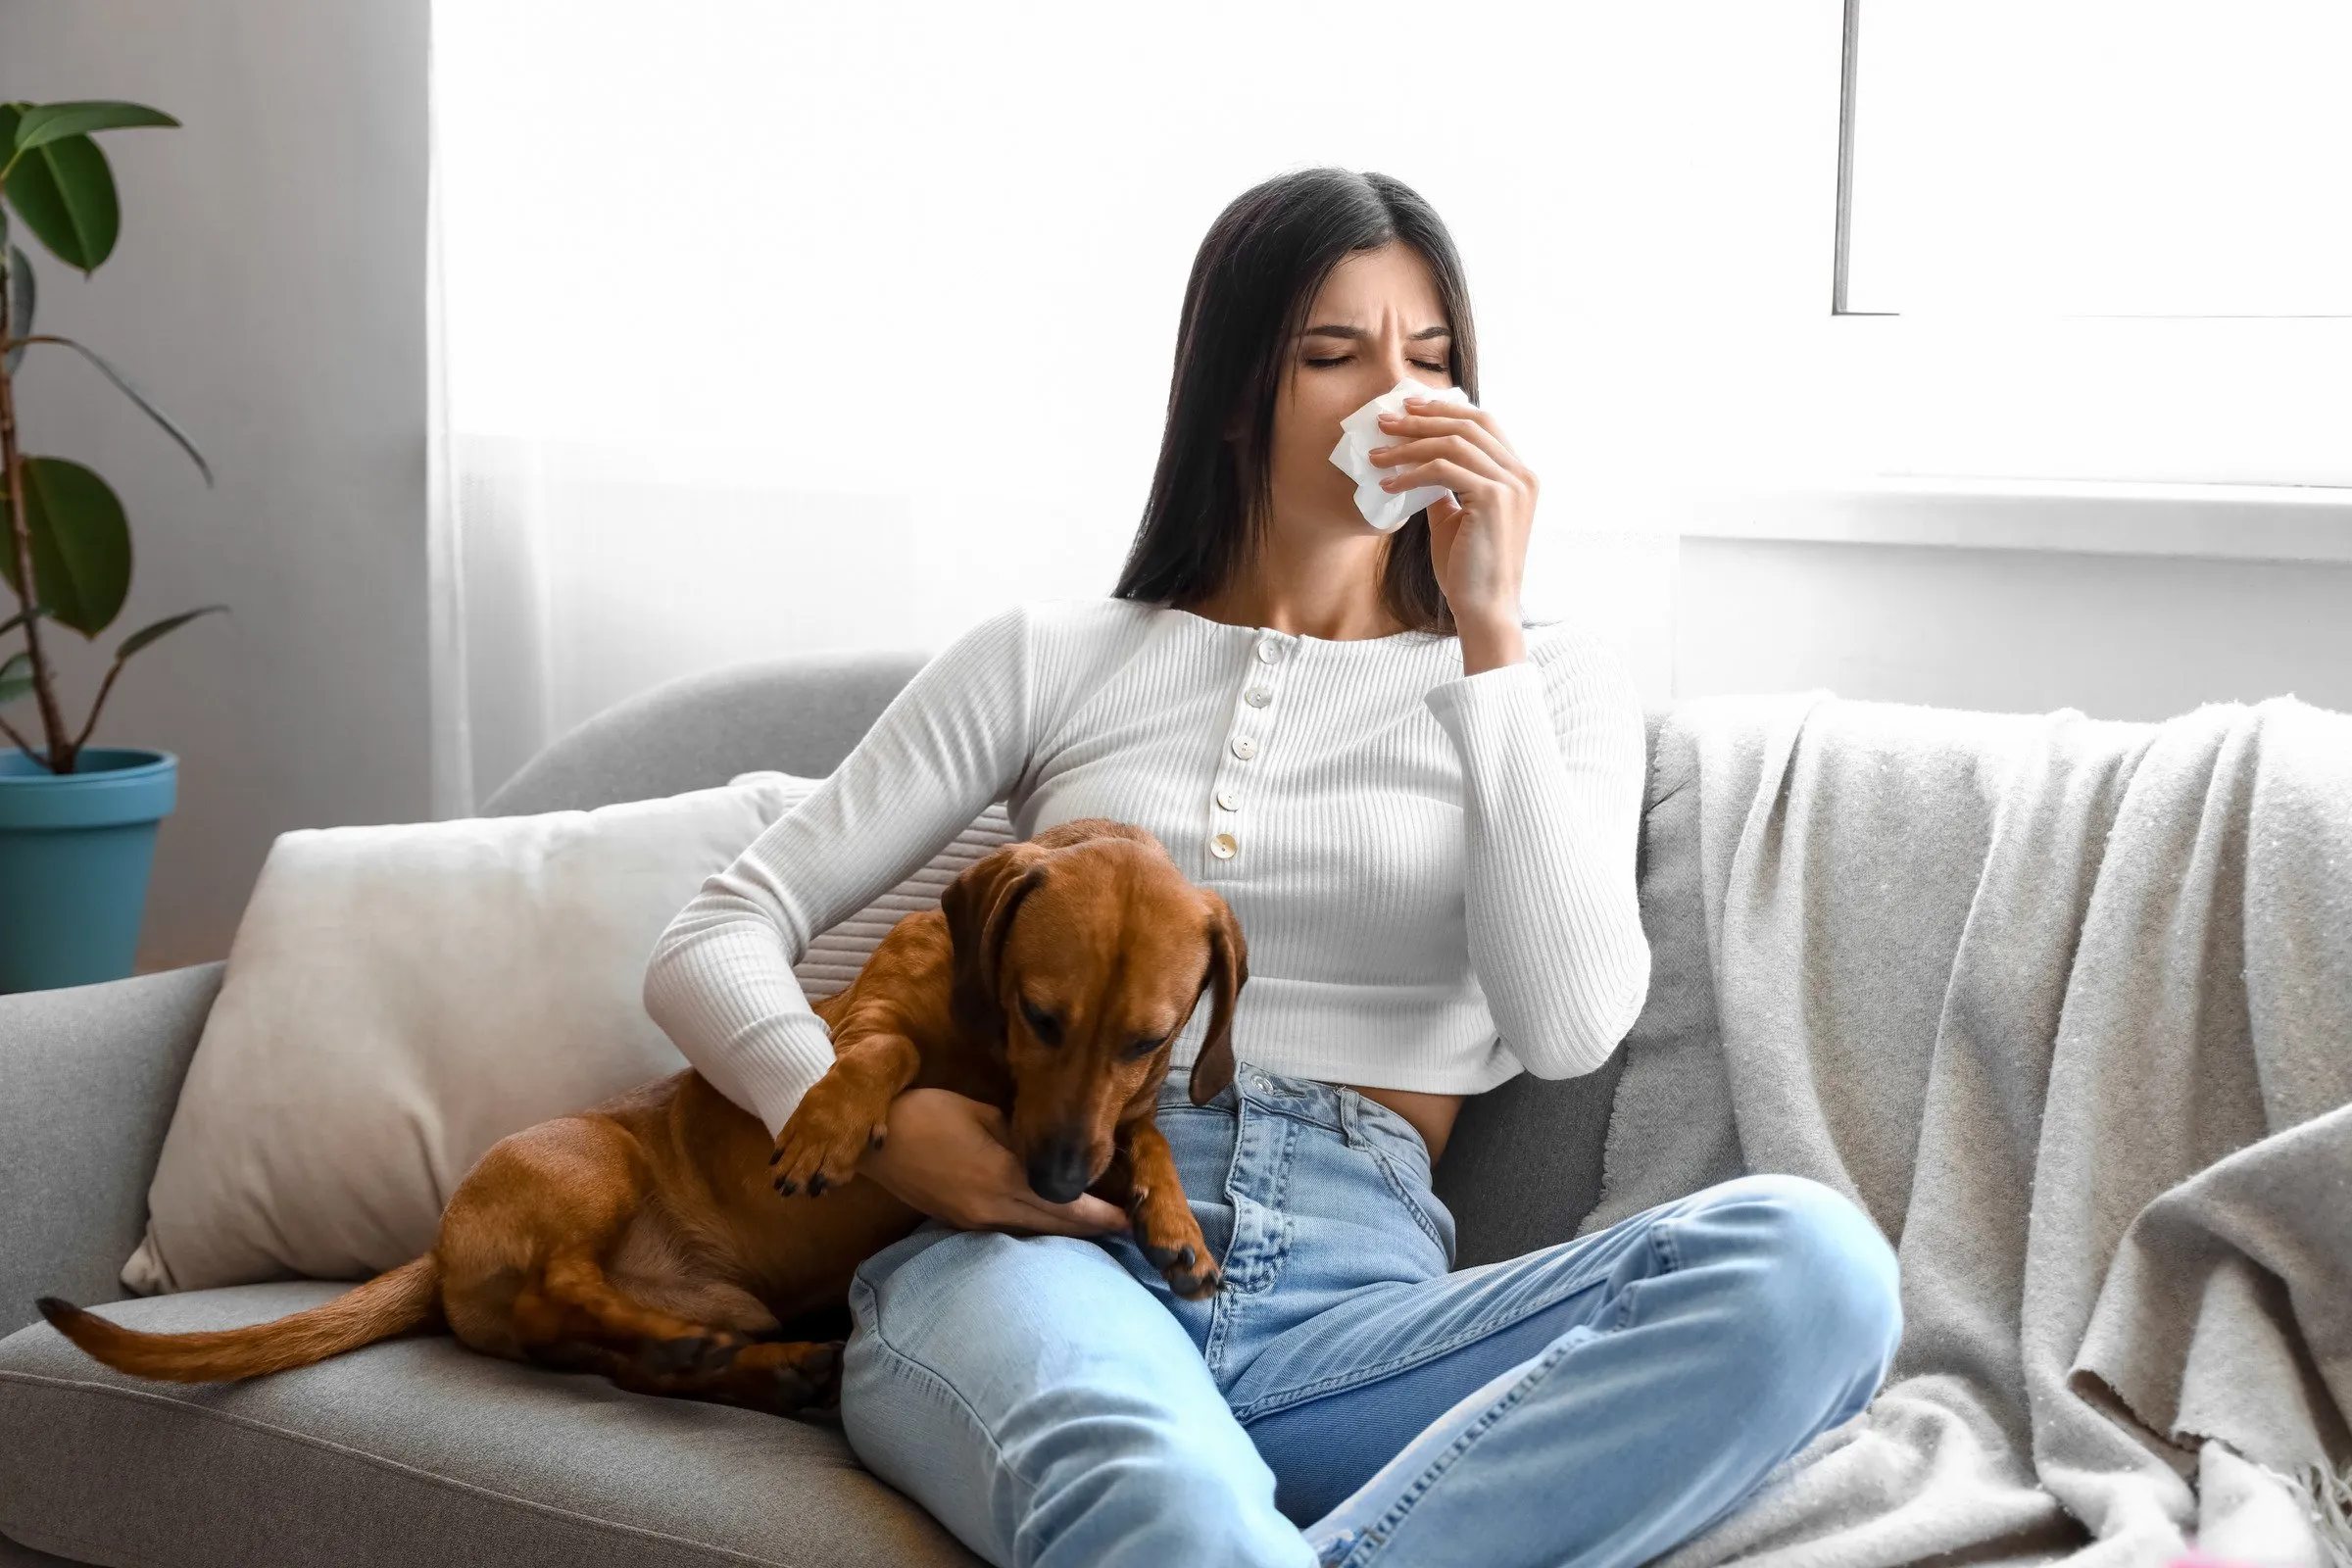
(1353, 456)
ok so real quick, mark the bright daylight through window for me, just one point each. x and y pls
(2100, 158)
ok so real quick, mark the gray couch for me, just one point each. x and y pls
(415, 1452)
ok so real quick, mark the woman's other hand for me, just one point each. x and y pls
(947, 1157)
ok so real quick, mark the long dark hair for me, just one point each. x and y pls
(1252, 282)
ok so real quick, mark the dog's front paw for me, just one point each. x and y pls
(1171, 1242)
(830, 1131)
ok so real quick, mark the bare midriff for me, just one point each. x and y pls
(1432, 1115)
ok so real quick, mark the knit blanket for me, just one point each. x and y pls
(2066, 1006)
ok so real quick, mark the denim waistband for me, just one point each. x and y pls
(1347, 1111)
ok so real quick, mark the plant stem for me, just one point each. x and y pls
(104, 686)
(19, 527)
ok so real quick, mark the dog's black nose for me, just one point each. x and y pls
(1058, 1172)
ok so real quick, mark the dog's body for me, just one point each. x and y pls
(645, 1238)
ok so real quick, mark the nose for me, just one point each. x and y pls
(1057, 1170)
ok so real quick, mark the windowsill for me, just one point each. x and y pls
(2220, 522)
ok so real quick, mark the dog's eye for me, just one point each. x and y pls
(1142, 1048)
(1043, 1024)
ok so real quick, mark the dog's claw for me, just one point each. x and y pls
(1164, 1258)
(775, 1154)
(807, 1162)
(1193, 1286)
(786, 1186)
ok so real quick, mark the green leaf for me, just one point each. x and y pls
(170, 623)
(22, 296)
(80, 544)
(48, 122)
(16, 679)
(65, 192)
(123, 383)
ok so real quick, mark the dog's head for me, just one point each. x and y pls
(1085, 990)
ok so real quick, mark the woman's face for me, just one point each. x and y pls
(1376, 321)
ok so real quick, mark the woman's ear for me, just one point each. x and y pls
(979, 906)
(1228, 972)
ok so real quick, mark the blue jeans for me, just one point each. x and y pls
(1344, 1400)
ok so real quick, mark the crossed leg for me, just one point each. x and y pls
(1594, 1403)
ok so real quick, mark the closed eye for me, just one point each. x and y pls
(1142, 1048)
(1042, 1023)
(1325, 363)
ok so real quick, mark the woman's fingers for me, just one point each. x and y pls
(947, 1157)
(1451, 448)
(1084, 1216)
(1476, 425)
(1459, 446)
(1446, 472)
(1008, 1203)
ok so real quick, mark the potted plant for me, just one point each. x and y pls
(76, 821)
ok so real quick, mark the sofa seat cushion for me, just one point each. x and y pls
(417, 1451)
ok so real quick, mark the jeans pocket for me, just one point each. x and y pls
(1383, 1129)
(1411, 1184)
(1395, 1146)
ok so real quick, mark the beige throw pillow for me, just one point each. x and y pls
(400, 997)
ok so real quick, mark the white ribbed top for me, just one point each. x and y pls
(1434, 871)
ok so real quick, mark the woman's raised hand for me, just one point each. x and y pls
(947, 1156)
(1478, 542)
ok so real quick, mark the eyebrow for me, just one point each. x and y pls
(1358, 333)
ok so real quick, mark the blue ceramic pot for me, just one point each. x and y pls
(74, 852)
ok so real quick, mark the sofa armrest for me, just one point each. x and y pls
(88, 1076)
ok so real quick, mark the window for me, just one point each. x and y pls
(2098, 158)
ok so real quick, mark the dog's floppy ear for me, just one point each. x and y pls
(1228, 972)
(979, 906)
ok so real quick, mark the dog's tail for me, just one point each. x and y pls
(390, 1303)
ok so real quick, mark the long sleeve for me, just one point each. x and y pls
(720, 982)
(1552, 765)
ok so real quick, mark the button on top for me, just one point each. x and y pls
(1257, 696)
(1244, 747)
(1229, 799)
(1269, 652)
(1223, 846)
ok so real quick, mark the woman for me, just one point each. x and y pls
(1423, 809)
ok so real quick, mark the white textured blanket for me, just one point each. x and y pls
(2066, 1006)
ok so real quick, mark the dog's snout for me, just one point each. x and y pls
(1057, 1170)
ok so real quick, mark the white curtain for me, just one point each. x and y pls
(768, 326)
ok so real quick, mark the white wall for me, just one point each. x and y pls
(269, 289)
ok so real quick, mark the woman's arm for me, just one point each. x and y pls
(1552, 750)
(720, 983)
(1553, 779)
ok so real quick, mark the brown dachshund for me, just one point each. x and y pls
(644, 1238)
